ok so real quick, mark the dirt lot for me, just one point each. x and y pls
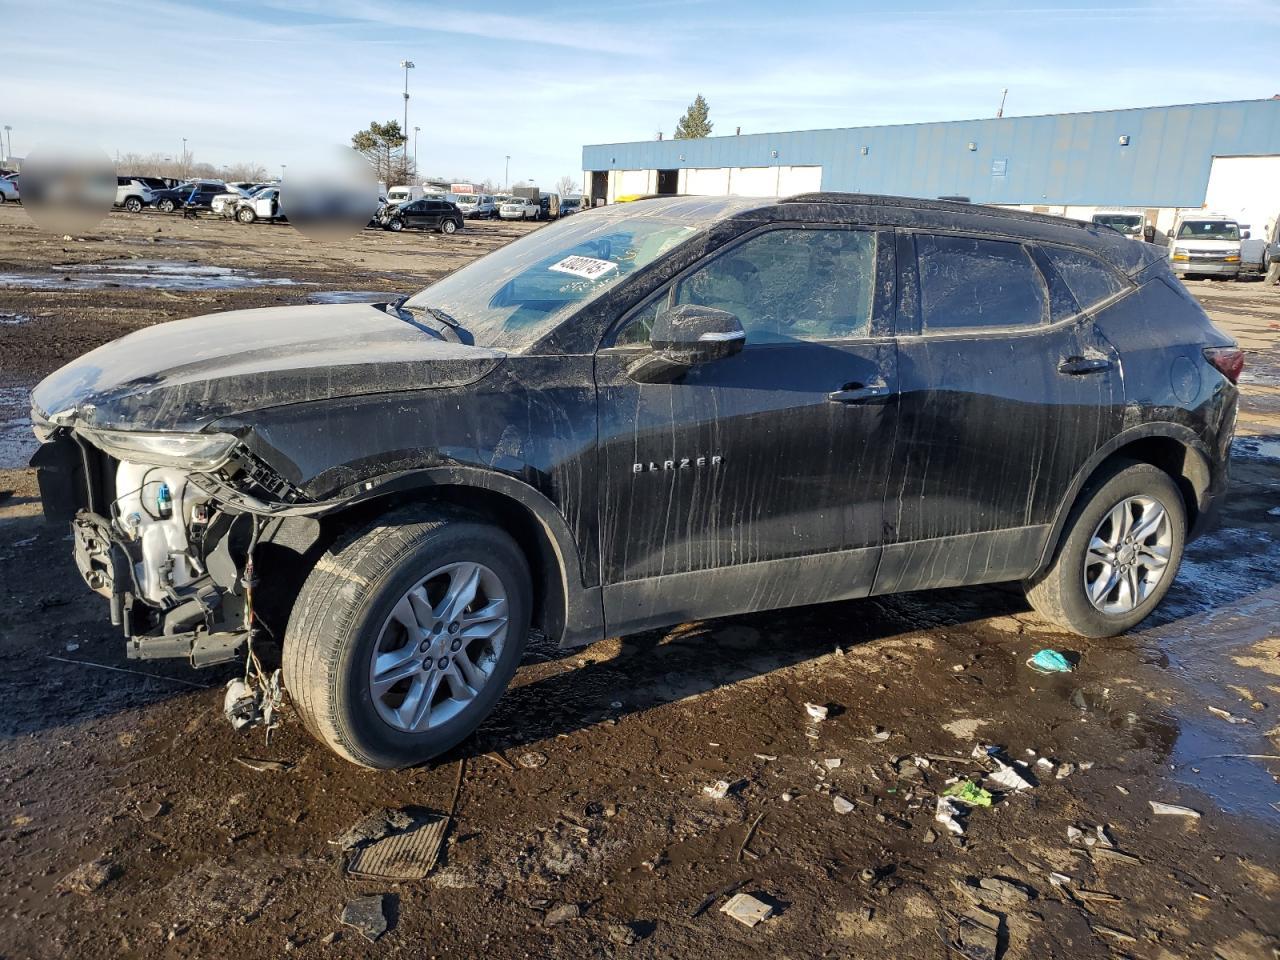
(586, 787)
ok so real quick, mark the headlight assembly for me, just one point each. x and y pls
(191, 451)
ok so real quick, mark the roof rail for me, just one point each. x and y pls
(919, 203)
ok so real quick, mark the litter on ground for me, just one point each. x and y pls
(1049, 661)
(1172, 810)
(968, 792)
(747, 909)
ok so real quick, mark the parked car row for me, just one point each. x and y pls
(9, 192)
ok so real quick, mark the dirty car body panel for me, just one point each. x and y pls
(920, 408)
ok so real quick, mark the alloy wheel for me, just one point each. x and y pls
(439, 647)
(1128, 555)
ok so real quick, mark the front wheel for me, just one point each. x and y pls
(246, 215)
(405, 635)
(1118, 555)
(395, 225)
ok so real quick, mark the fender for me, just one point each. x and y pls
(583, 615)
(1144, 431)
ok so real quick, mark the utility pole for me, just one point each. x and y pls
(184, 156)
(415, 150)
(506, 174)
(1000, 112)
(8, 132)
(407, 65)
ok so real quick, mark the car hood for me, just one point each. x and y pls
(185, 374)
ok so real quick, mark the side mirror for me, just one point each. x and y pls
(685, 336)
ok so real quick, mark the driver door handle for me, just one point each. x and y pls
(1078, 365)
(859, 392)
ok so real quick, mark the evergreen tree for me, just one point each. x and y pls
(694, 123)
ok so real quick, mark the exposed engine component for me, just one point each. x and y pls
(155, 508)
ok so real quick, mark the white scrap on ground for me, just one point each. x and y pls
(1173, 810)
(747, 909)
(816, 711)
(945, 813)
(1009, 777)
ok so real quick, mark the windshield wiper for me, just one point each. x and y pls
(452, 329)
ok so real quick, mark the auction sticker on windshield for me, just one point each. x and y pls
(588, 267)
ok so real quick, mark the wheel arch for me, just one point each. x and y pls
(564, 608)
(1174, 448)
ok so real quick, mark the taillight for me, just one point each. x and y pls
(1228, 361)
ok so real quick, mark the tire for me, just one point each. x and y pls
(343, 616)
(133, 204)
(1060, 594)
(395, 224)
(448, 227)
(1273, 274)
(166, 206)
(246, 215)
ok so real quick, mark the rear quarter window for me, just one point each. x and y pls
(1088, 278)
(971, 283)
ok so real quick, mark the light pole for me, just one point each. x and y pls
(415, 150)
(184, 156)
(407, 65)
(8, 151)
(282, 166)
(506, 174)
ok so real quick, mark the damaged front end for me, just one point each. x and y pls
(165, 527)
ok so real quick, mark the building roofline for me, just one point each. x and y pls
(937, 123)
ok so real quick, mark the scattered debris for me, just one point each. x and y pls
(1108, 853)
(995, 891)
(623, 934)
(979, 934)
(1049, 661)
(817, 712)
(1122, 789)
(831, 763)
(745, 908)
(841, 805)
(787, 796)
(945, 813)
(750, 833)
(711, 898)
(1010, 778)
(532, 760)
(562, 914)
(719, 790)
(90, 877)
(880, 734)
(968, 792)
(409, 855)
(367, 915)
(1173, 810)
(1065, 770)
(1044, 763)
(240, 704)
(1113, 933)
(374, 827)
(264, 766)
(150, 809)
(1228, 716)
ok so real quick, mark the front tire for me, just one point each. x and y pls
(1119, 553)
(395, 225)
(405, 635)
(246, 215)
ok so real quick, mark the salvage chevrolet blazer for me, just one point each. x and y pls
(651, 412)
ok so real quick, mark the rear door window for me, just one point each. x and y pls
(968, 283)
(1089, 279)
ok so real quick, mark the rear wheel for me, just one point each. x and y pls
(448, 226)
(1119, 552)
(405, 635)
(166, 206)
(133, 204)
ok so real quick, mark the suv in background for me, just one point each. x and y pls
(566, 436)
(198, 194)
(134, 193)
(1207, 246)
(428, 213)
(477, 205)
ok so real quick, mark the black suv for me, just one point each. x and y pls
(648, 413)
(425, 214)
(197, 194)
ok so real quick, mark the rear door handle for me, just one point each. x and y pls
(859, 392)
(1078, 365)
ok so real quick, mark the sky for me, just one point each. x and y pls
(274, 80)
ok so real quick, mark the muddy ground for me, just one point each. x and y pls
(586, 787)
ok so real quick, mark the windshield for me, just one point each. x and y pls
(1127, 224)
(517, 294)
(1209, 230)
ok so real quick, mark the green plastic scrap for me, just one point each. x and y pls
(966, 791)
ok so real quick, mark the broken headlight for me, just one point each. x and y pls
(191, 451)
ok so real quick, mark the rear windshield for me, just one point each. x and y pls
(1209, 230)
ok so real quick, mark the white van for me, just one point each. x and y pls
(1206, 245)
(403, 193)
(1128, 222)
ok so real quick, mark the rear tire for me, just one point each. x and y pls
(342, 624)
(133, 204)
(166, 206)
(448, 227)
(1126, 492)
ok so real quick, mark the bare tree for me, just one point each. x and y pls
(158, 165)
(567, 186)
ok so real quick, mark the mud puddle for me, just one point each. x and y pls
(15, 319)
(351, 296)
(17, 442)
(143, 275)
(1217, 641)
(1256, 448)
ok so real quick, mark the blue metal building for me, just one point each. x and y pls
(1153, 157)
